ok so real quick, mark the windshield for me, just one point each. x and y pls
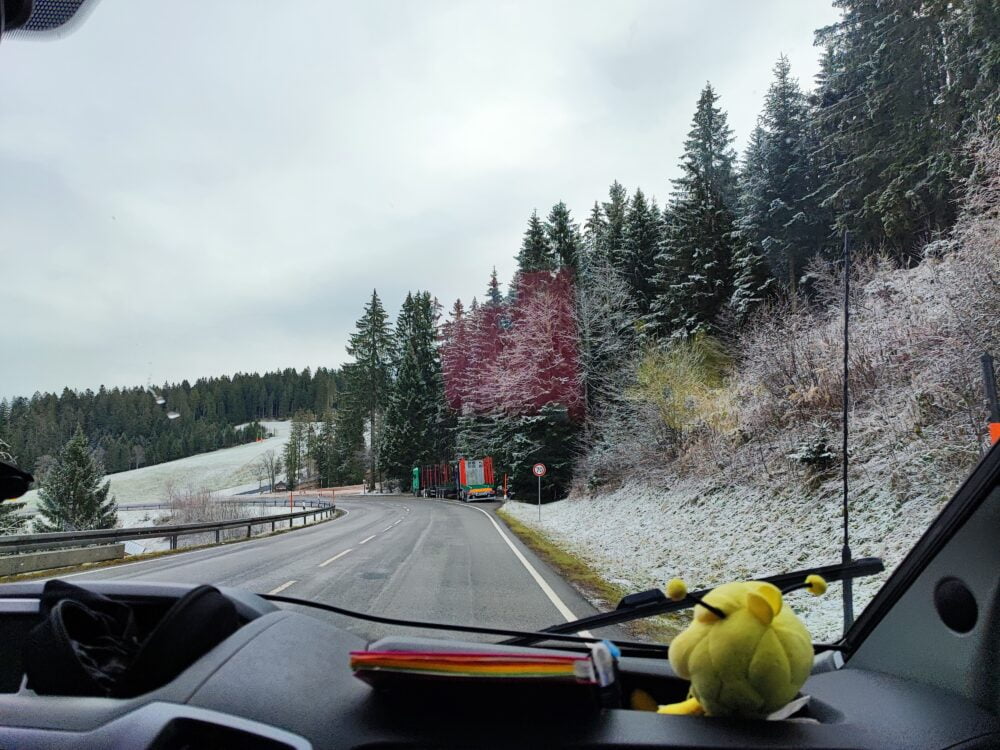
(494, 313)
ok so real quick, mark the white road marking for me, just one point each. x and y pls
(368, 539)
(335, 557)
(281, 588)
(559, 604)
(388, 527)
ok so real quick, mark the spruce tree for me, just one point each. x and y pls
(780, 216)
(643, 231)
(695, 258)
(413, 431)
(295, 450)
(71, 497)
(903, 85)
(563, 235)
(371, 347)
(752, 283)
(535, 254)
(494, 297)
(612, 239)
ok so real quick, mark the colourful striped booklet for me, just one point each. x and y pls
(370, 666)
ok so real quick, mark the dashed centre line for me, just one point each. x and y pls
(281, 588)
(368, 539)
(335, 557)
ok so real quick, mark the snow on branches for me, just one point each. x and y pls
(517, 357)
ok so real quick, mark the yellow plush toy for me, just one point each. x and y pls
(745, 653)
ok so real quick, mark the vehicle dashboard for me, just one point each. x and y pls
(283, 681)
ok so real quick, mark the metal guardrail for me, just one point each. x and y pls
(267, 502)
(270, 502)
(18, 543)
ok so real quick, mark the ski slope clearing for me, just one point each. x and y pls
(226, 471)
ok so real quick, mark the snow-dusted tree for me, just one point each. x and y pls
(369, 374)
(540, 360)
(493, 294)
(536, 253)
(902, 87)
(609, 342)
(611, 242)
(414, 415)
(72, 497)
(455, 356)
(695, 258)
(753, 282)
(780, 216)
(637, 259)
(563, 235)
(295, 449)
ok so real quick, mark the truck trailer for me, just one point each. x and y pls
(464, 479)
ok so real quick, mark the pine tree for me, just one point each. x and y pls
(371, 347)
(563, 236)
(643, 230)
(695, 259)
(295, 450)
(902, 87)
(780, 216)
(611, 244)
(413, 420)
(71, 497)
(494, 297)
(535, 254)
(753, 282)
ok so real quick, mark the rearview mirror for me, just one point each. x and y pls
(37, 19)
(13, 482)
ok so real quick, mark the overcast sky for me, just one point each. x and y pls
(194, 188)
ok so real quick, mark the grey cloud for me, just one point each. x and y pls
(195, 188)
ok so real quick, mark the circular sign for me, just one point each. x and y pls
(538, 470)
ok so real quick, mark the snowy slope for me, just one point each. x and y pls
(641, 536)
(228, 470)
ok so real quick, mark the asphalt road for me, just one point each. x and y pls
(406, 557)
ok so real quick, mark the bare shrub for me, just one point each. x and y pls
(202, 506)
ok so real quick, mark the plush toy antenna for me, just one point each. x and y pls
(677, 591)
(814, 584)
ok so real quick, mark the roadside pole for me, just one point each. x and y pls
(990, 386)
(539, 471)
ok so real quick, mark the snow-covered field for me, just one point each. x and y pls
(641, 536)
(227, 471)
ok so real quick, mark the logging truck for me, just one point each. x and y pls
(464, 479)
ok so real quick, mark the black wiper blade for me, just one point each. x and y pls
(654, 602)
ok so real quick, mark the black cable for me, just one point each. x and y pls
(459, 628)
(535, 636)
(845, 552)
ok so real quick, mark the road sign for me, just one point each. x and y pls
(538, 470)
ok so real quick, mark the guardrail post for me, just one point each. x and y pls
(217, 536)
(173, 541)
(272, 526)
(248, 531)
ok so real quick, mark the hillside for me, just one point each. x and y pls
(736, 472)
(227, 469)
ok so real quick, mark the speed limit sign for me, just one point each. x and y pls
(538, 470)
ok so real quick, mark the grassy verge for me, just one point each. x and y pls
(601, 593)
(56, 572)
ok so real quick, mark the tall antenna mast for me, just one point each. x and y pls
(845, 552)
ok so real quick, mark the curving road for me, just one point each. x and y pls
(397, 556)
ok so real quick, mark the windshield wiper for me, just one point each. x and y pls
(653, 602)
